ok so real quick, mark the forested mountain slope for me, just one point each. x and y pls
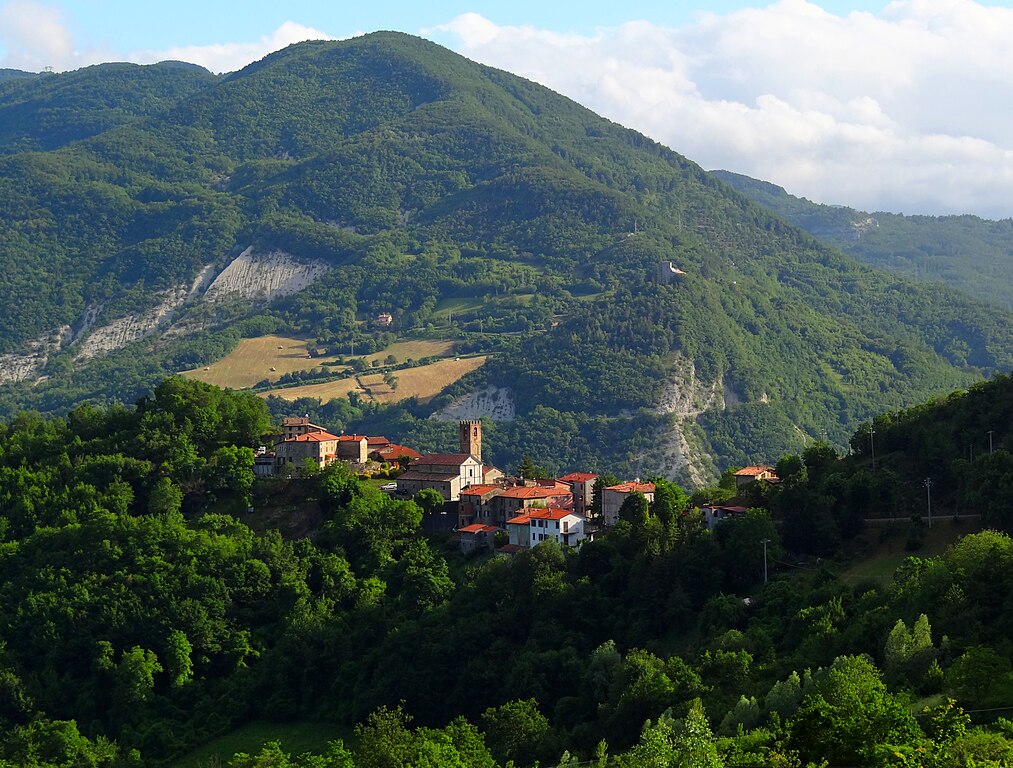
(408, 176)
(970, 254)
(143, 613)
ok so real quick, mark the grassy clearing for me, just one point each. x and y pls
(460, 304)
(424, 382)
(296, 738)
(271, 357)
(253, 360)
(886, 547)
(416, 350)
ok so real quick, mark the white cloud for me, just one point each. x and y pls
(906, 110)
(34, 36)
(228, 57)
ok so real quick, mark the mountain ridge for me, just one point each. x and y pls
(417, 177)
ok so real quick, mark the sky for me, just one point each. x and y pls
(903, 106)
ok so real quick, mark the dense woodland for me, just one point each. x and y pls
(435, 187)
(965, 252)
(141, 614)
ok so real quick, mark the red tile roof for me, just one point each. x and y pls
(394, 452)
(451, 459)
(631, 487)
(552, 513)
(312, 437)
(578, 477)
(519, 520)
(533, 492)
(351, 438)
(374, 441)
(479, 490)
(754, 471)
(477, 528)
(511, 549)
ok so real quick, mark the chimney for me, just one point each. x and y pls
(471, 438)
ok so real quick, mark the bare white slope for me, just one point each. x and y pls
(264, 276)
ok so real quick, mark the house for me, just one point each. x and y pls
(263, 463)
(582, 486)
(377, 443)
(714, 513)
(612, 499)
(446, 473)
(353, 448)
(748, 475)
(475, 536)
(321, 447)
(511, 501)
(393, 453)
(562, 525)
(385, 320)
(519, 530)
(473, 503)
(292, 426)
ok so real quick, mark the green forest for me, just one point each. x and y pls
(966, 252)
(145, 611)
(428, 181)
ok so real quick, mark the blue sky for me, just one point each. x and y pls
(897, 105)
(132, 25)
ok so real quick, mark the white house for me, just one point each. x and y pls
(565, 526)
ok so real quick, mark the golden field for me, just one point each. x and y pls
(271, 357)
(424, 382)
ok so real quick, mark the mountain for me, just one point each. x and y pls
(971, 254)
(335, 181)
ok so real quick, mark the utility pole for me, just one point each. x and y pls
(872, 445)
(928, 497)
(764, 542)
(990, 441)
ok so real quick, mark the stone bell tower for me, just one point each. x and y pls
(471, 438)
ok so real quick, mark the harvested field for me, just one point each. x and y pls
(424, 383)
(415, 350)
(252, 360)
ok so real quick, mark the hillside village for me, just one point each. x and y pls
(483, 506)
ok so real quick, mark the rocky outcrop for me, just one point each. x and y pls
(685, 397)
(27, 365)
(493, 403)
(251, 276)
(264, 276)
(125, 330)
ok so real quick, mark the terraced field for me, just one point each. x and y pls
(424, 382)
(253, 360)
(270, 357)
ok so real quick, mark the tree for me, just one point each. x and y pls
(430, 500)
(165, 497)
(528, 469)
(849, 715)
(516, 731)
(635, 510)
(231, 468)
(741, 540)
